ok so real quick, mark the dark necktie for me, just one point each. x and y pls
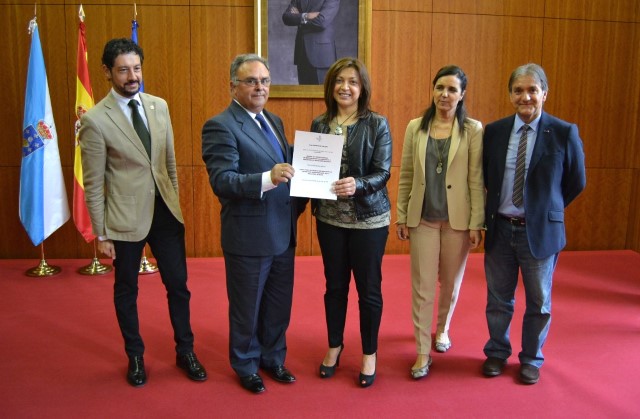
(518, 179)
(270, 136)
(140, 127)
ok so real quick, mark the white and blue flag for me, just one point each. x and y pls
(43, 197)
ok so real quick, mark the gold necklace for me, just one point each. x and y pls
(338, 130)
(439, 166)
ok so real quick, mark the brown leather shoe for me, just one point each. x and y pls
(529, 374)
(493, 366)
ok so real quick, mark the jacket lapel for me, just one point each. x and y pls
(253, 131)
(122, 124)
(455, 142)
(544, 132)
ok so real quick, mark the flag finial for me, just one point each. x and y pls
(81, 14)
(32, 25)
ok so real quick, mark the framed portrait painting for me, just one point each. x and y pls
(302, 38)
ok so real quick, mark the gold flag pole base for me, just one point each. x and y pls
(147, 267)
(95, 268)
(43, 270)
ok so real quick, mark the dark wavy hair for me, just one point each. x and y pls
(119, 46)
(330, 81)
(461, 111)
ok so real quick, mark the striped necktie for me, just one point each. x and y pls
(518, 180)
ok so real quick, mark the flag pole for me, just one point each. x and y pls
(95, 267)
(43, 269)
(84, 101)
(146, 267)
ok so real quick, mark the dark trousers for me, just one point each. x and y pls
(345, 250)
(166, 239)
(260, 292)
(308, 74)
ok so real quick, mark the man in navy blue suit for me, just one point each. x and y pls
(248, 161)
(533, 168)
(315, 48)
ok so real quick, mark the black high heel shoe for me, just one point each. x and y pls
(367, 380)
(326, 372)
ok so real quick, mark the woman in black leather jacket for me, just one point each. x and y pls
(353, 230)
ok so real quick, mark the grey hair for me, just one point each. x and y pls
(241, 59)
(533, 70)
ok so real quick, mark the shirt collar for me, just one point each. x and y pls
(533, 125)
(251, 114)
(125, 100)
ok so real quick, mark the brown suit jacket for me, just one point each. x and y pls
(118, 175)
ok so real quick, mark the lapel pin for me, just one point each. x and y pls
(152, 107)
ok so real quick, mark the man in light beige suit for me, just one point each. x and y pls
(131, 191)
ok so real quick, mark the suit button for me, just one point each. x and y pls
(448, 186)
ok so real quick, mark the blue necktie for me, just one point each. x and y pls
(270, 136)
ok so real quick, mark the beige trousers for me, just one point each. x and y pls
(438, 253)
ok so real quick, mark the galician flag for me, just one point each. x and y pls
(84, 102)
(43, 198)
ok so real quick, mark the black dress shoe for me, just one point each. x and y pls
(529, 374)
(192, 366)
(253, 383)
(281, 374)
(493, 366)
(136, 376)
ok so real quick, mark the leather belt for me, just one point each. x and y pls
(514, 221)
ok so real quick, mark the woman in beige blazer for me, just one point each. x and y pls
(440, 206)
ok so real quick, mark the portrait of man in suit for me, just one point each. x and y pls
(533, 168)
(302, 38)
(315, 44)
(131, 192)
(248, 160)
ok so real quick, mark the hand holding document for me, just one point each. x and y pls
(316, 159)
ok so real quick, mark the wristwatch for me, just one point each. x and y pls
(304, 18)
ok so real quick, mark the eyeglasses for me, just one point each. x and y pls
(266, 82)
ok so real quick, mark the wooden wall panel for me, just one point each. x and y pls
(582, 86)
(609, 10)
(599, 217)
(206, 216)
(633, 230)
(533, 8)
(588, 48)
(505, 42)
(218, 35)
(401, 5)
(400, 70)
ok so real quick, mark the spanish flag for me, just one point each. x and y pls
(84, 102)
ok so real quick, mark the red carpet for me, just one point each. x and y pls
(61, 352)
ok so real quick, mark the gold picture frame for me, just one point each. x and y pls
(269, 26)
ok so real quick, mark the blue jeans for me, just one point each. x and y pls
(509, 254)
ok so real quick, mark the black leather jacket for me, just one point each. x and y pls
(369, 152)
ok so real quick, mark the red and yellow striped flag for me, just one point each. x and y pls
(84, 102)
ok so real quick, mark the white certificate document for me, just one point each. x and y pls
(316, 159)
